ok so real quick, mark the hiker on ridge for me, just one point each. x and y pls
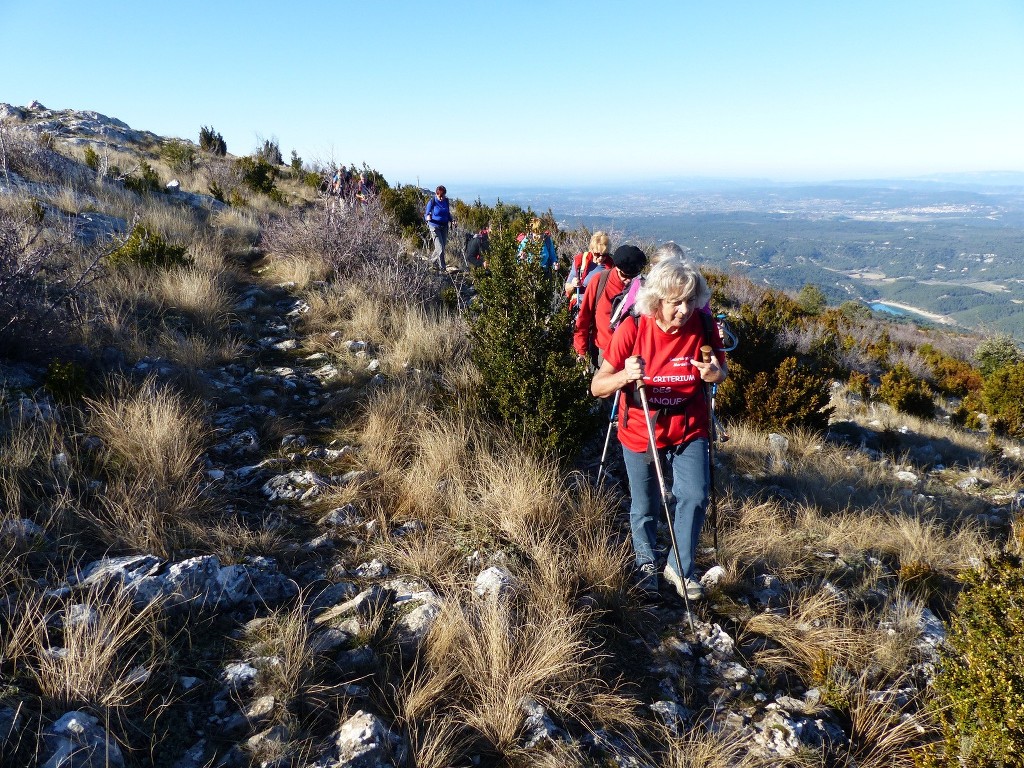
(593, 323)
(477, 248)
(438, 217)
(548, 257)
(660, 349)
(586, 266)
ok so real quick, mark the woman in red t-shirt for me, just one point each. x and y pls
(661, 346)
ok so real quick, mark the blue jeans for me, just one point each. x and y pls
(690, 478)
(439, 235)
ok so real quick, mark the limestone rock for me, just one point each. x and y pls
(364, 741)
(77, 740)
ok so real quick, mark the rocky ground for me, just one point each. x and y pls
(275, 413)
(269, 480)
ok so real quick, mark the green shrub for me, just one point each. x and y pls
(145, 248)
(180, 155)
(92, 160)
(296, 163)
(1003, 398)
(860, 383)
(811, 299)
(979, 684)
(65, 381)
(270, 153)
(768, 381)
(790, 396)
(906, 393)
(211, 141)
(405, 203)
(995, 353)
(146, 181)
(257, 174)
(531, 379)
(312, 179)
(217, 191)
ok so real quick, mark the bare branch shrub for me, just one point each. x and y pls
(363, 245)
(38, 283)
(29, 157)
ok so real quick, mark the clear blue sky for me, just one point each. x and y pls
(557, 93)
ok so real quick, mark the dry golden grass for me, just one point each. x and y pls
(814, 630)
(884, 732)
(430, 555)
(102, 657)
(425, 340)
(152, 440)
(149, 430)
(179, 225)
(700, 748)
(785, 538)
(139, 514)
(194, 351)
(239, 227)
(301, 271)
(196, 293)
(485, 658)
(285, 637)
(26, 455)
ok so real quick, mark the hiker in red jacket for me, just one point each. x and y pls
(587, 266)
(593, 324)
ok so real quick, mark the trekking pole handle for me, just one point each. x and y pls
(705, 353)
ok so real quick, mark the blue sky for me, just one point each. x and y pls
(556, 93)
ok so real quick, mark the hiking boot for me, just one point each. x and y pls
(688, 588)
(647, 579)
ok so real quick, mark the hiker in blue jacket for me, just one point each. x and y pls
(438, 216)
(548, 257)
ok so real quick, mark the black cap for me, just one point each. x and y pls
(630, 259)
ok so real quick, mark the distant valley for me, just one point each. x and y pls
(952, 247)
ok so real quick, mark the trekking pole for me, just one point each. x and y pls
(608, 436)
(664, 498)
(709, 391)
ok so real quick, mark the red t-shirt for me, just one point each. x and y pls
(593, 323)
(670, 379)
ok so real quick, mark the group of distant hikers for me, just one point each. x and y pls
(348, 188)
(656, 353)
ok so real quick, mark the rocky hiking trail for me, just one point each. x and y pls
(273, 464)
(272, 459)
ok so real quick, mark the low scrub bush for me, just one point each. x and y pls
(39, 282)
(144, 181)
(65, 381)
(91, 158)
(769, 380)
(906, 393)
(211, 141)
(405, 203)
(1003, 397)
(145, 248)
(257, 174)
(532, 381)
(179, 155)
(997, 352)
(979, 687)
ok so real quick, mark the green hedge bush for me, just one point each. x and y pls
(979, 684)
(146, 248)
(906, 393)
(532, 380)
